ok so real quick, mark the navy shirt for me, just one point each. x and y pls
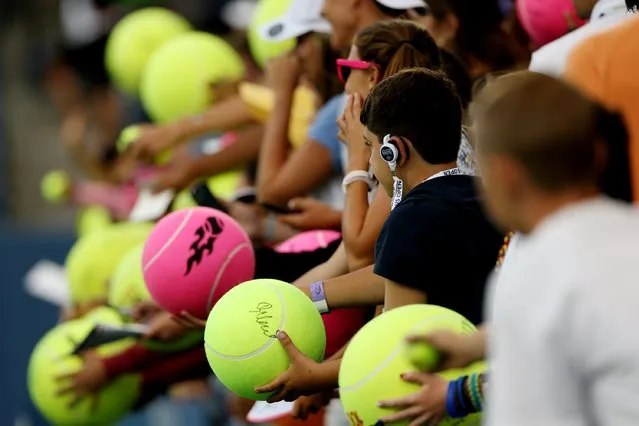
(439, 241)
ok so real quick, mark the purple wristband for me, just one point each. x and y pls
(319, 297)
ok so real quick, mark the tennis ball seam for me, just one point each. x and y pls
(170, 241)
(266, 345)
(390, 357)
(220, 273)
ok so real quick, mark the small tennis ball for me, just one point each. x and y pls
(134, 39)
(94, 258)
(91, 219)
(177, 81)
(264, 50)
(377, 356)
(53, 357)
(240, 336)
(55, 186)
(423, 356)
(127, 136)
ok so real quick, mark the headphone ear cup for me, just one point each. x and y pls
(389, 153)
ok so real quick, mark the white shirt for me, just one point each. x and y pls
(564, 341)
(551, 58)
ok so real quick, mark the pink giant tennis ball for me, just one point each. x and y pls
(193, 257)
(308, 241)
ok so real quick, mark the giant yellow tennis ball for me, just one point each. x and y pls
(55, 186)
(94, 258)
(377, 355)
(263, 50)
(134, 39)
(178, 79)
(127, 287)
(52, 357)
(91, 219)
(241, 334)
(261, 101)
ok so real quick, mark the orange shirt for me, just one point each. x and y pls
(606, 67)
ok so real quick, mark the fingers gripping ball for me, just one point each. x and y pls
(55, 186)
(193, 257)
(178, 79)
(378, 354)
(263, 50)
(129, 135)
(94, 258)
(134, 39)
(52, 357)
(241, 334)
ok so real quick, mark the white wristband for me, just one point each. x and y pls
(357, 176)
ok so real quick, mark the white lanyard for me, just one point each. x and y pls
(450, 172)
(398, 184)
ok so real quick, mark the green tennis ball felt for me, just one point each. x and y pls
(264, 50)
(240, 335)
(127, 136)
(53, 357)
(376, 356)
(91, 219)
(55, 186)
(134, 39)
(184, 200)
(177, 81)
(127, 287)
(94, 258)
(422, 355)
(225, 185)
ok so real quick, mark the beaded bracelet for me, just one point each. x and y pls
(474, 393)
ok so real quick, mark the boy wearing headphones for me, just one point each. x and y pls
(437, 246)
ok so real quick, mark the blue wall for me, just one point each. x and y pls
(23, 319)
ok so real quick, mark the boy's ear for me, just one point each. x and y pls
(405, 147)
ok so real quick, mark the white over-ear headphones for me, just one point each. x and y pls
(389, 152)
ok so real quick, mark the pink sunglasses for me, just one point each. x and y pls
(344, 67)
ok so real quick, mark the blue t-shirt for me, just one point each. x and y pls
(324, 130)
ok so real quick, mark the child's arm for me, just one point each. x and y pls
(359, 288)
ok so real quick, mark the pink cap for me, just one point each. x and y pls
(547, 20)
